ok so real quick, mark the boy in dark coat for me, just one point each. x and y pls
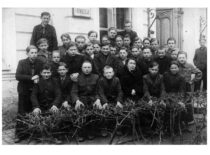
(66, 40)
(65, 84)
(123, 55)
(105, 58)
(131, 80)
(80, 43)
(46, 94)
(27, 74)
(153, 85)
(112, 33)
(44, 30)
(43, 54)
(74, 61)
(200, 61)
(55, 63)
(109, 88)
(163, 60)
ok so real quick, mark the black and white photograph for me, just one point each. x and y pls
(104, 75)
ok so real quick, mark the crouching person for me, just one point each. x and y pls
(84, 95)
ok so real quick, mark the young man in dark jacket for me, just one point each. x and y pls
(105, 58)
(55, 63)
(45, 30)
(27, 74)
(74, 61)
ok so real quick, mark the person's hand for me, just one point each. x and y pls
(181, 104)
(150, 103)
(119, 105)
(133, 92)
(66, 105)
(35, 78)
(97, 104)
(36, 111)
(78, 105)
(54, 109)
(162, 103)
(74, 77)
(192, 78)
(105, 106)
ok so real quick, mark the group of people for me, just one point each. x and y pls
(92, 73)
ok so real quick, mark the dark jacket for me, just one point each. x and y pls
(174, 83)
(25, 71)
(120, 65)
(65, 87)
(45, 57)
(200, 58)
(45, 94)
(110, 90)
(47, 32)
(54, 67)
(84, 88)
(164, 63)
(74, 63)
(93, 62)
(102, 60)
(143, 65)
(131, 80)
(63, 50)
(153, 87)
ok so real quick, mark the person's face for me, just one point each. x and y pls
(146, 43)
(119, 42)
(43, 46)
(174, 55)
(202, 43)
(155, 45)
(113, 50)
(105, 50)
(174, 69)
(66, 41)
(171, 44)
(182, 58)
(154, 70)
(46, 74)
(56, 57)
(86, 68)
(138, 43)
(80, 42)
(90, 50)
(92, 37)
(32, 54)
(135, 52)
(97, 48)
(123, 54)
(147, 53)
(45, 19)
(131, 65)
(105, 41)
(127, 27)
(161, 53)
(72, 50)
(112, 34)
(108, 73)
(62, 70)
(127, 41)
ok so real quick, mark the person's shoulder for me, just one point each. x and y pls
(22, 61)
(146, 76)
(95, 76)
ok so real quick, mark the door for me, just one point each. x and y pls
(169, 24)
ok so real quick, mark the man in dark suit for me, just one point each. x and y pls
(44, 30)
(27, 74)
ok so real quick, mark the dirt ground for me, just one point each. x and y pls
(9, 110)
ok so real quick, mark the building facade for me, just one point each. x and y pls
(185, 24)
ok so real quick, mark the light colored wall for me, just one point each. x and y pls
(191, 28)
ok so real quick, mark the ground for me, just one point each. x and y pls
(9, 110)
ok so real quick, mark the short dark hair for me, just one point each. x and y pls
(92, 31)
(134, 46)
(174, 63)
(72, 44)
(28, 48)
(45, 14)
(127, 21)
(63, 64)
(107, 67)
(42, 40)
(137, 38)
(171, 38)
(79, 36)
(119, 36)
(123, 48)
(87, 61)
(154, 39)
(112, 28)
(127, 36)
(182, 52)
(153, 64)
(130, 58)
(46, 66)
(146, 39)
(66, 35)
(88, 44)
(146, 48)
